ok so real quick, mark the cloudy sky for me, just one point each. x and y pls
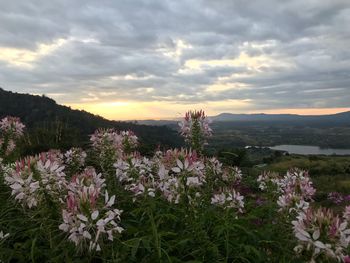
(155, 59)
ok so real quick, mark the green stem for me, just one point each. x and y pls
(155, 235)
(226, 238)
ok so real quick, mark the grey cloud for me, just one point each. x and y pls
(122, 47)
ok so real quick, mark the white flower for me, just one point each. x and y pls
(85, 216)
(229, 199)
(193, 181)
(321, 232)
(94, 215)
(3, 236)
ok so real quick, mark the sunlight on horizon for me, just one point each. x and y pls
(123, 110)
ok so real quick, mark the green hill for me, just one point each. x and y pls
(51, 125)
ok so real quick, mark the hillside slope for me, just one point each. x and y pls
(42, 113)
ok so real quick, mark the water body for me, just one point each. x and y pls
(308, 150)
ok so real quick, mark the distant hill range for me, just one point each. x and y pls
(44, 117)
(339, 118)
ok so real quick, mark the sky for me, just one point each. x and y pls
(148, 59)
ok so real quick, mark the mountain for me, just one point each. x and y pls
(253, 117)
(342, 118)
(339, 117)
(44, 118)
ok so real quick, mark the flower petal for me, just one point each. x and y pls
(94, 215)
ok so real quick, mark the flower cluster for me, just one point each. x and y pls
(34, 177)
(87, 216)
(88, 212)
(195, 128)
(268, 181)
(109, 145)
(229, 198)
(120, 142)
(172, 173)
(346, 214)
(180, 175)
(296, 190)
(338, 198)
(74, 159)
(321, 235)
(24, 186)
(51, 175)
(53, 156)
(136, 174)
(11, 129)
(12, 125)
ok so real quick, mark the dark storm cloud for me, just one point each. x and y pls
(290, 54)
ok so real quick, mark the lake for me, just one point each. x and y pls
(307, 149)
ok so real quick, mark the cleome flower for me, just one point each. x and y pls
(24, 186)
(295, 189)
(229, 198)
(75, 157)
(298, 181)
(136, 174)
(193, 172)
(3, 236)
(12, 126)
(321, 234)
(346, 214)
(52, 178)
(215, 166)
(169, 158)
(88, 179)
(169, 185)
(195, 129)
(187, 123)
(109, 145)
(336, 198)
(181, 175)
(268, 180)
(111, 139)
(34, 177)
(87, 216)
(232, 175)
(11, 129)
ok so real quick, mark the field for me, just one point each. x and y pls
(270, 133)
(109, 203)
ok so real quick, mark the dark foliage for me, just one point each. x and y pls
(55, 126)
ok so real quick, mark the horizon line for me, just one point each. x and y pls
(331, 112)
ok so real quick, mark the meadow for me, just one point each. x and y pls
(109, 203)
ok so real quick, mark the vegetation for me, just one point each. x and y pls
(53, 126)
(322, 132)
(109, 203)
(325, 134)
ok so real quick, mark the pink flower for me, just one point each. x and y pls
(34, 177)
(336, 197)
(88, 218)
(195, 129)
(75, 157)
(346, 214)
(346, 259)
(321, 232)
(229, 199)
(137, 175)
(110, 139)
(12, 126)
